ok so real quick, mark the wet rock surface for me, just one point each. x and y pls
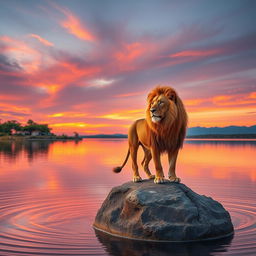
(162, 212)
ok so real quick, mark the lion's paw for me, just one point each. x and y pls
(137, 179)
(159, 180)
(174, 179)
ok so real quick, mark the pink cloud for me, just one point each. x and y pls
(42, 40)
(74, 26)
(195, 53)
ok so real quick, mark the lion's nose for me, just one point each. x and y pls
(152, 110)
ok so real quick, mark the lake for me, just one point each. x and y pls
(50, 193)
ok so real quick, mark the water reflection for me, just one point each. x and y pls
(50, 193)
(13, 149)
(231, 142)
(125, 247)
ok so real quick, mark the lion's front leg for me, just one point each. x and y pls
(172, 157)
(159, 178)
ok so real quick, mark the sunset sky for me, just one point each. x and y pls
(87, 66)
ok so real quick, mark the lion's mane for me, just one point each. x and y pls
(169, 134)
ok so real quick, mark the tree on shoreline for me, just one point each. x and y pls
(12, 125)
(8, 126)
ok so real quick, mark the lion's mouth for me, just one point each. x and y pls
(156, 118)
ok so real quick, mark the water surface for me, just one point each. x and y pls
(50, 193)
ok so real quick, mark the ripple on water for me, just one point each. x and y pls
(44, 224)
(60, 224)
(243, 215)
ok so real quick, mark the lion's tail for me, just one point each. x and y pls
(119, 168)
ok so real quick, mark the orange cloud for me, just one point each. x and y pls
(79, 124)
(42, 40)
(223, 100)
(125, 115)
(130, 52)
(195, 53)
(212, 116)
(59, 76)
(9, 107)
(222, 110)
(67, 114)
(240, 99)
(252, 95)
(9, 111)
(134, 56)
(49, 88)
(73, 25)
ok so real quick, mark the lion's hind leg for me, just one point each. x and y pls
(145, 162)
(134, 150)
(133, 147)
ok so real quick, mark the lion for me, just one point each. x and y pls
(162, 131)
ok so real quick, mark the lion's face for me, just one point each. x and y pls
(162, 108)
(166, 118)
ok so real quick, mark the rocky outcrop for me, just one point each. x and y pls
(162, 212)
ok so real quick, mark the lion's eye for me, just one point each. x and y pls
(161, 102)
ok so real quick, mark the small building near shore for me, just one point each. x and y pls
(22, 133)
(36, 133)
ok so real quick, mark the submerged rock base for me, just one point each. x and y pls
(162, 212)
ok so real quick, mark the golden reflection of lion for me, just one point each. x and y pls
(163, 131)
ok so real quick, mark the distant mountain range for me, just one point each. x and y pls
(221, 130)
(197, 131)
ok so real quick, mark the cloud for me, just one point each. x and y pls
(8, 65)
(74, 26)
(234, 100)
(195, 53)
(100, 83)
(130, 52)
(42, 40)
(68, 114)
(131, 114)
(221, 117)
(20, 53)
(9, 111)
(24, 55)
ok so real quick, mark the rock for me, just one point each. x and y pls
(162, 212)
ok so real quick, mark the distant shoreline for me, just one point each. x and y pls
(35, 138)
(119, 136)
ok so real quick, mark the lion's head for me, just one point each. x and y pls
(166, 117)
